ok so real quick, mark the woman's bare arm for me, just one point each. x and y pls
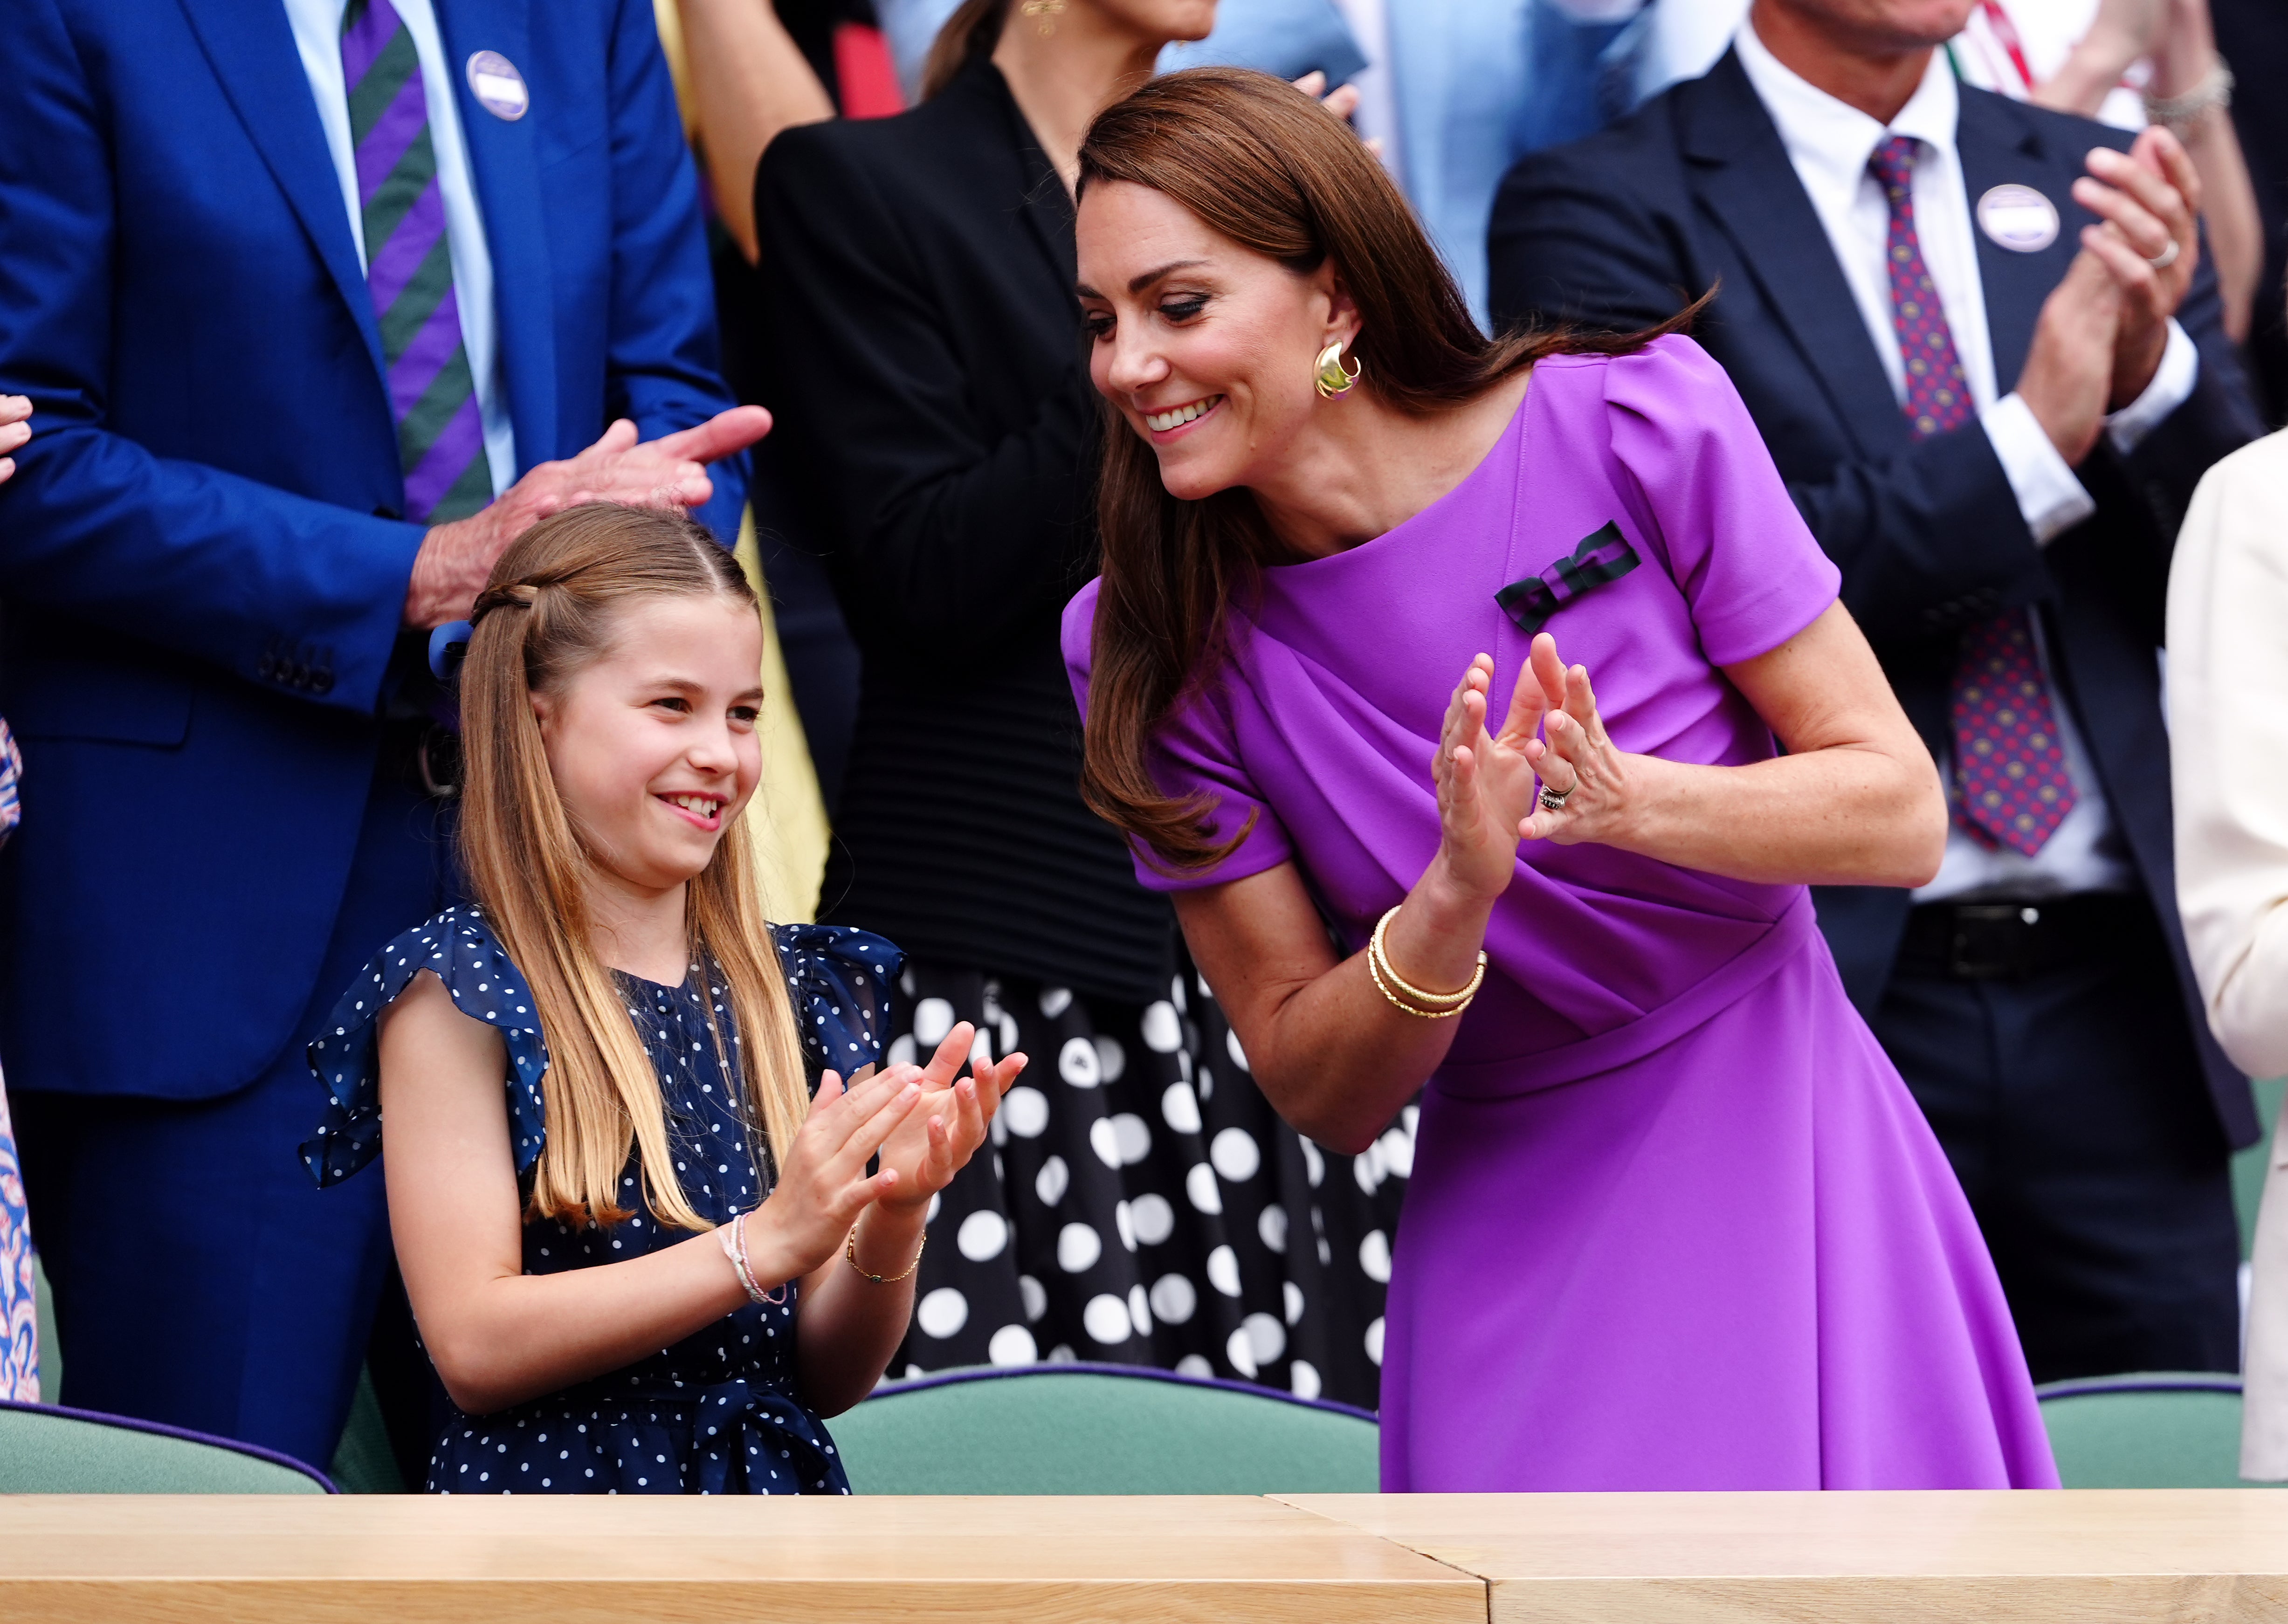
(500, 1336)
(749, 81)
(1856, 801)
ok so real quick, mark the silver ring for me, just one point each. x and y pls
(2168, 257)
(1553, 800)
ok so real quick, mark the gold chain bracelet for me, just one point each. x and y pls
(1416, 1001)
(850, 1252)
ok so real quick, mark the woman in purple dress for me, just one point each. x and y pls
(1675, 1223)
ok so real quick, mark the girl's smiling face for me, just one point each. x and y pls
(653, 747)
(1205, 346)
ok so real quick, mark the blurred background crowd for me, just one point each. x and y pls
(216, 233)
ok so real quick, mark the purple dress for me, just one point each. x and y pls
(1675, 1223)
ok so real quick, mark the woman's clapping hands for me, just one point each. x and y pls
(1489, 783)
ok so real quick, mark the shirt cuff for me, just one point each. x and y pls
(2171, 386)
(2050, 499)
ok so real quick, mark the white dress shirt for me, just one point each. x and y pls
(1830, 145)
(318, 36)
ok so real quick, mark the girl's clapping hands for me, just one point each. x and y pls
(945, 1125)
(824, 1185)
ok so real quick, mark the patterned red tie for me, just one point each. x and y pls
(2011, 787)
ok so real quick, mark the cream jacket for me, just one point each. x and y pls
(2228, 696)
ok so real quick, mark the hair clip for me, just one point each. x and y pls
(447, 645)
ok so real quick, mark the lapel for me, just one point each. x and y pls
(1047, 207)
(1742, 175)
(505, 168)
(1997, 143)
(252, 50)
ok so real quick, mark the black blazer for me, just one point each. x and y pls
(1695, 189)
(924, 352)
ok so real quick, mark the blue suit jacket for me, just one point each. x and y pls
(1695, 189)
(200, 558)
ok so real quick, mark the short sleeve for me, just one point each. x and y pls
(1738, 548)
(345, 1057)
(1193, 752)
(839, 981)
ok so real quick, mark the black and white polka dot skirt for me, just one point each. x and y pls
(1141, 1203)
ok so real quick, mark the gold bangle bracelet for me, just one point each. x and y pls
(1378, 953)
(850, 1252)
(1374, 968)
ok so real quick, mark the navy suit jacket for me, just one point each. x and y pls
(201, 556)
(1695, 190)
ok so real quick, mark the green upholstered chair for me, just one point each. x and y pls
(1100, 1430)
(45, 1450)
(2156, 1431)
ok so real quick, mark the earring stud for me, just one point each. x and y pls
(1046, 13)
(1330, 376)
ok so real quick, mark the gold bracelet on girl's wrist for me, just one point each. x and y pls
(850, 1252)
(1403, 995)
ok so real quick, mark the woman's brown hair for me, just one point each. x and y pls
(549, 611)
(974, 30)
(1262, 164)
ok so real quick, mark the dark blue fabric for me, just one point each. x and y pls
(1695, 191)
(718, 1413)
(246, 1313)
(202, 569)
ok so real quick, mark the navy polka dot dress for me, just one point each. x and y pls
(718, 1413)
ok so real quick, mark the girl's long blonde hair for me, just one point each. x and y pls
(548, 611)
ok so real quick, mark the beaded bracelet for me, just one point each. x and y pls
(850, 1251)
(1426, 1005)
(733, 1237)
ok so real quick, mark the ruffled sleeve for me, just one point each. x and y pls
(346, 1058)
(839, 981)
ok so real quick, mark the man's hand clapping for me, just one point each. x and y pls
(457, 558)
(2105, 327)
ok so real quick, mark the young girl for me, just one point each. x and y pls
(658, 1263)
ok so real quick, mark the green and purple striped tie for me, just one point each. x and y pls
(440, 442)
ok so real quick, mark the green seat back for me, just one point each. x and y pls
(1100, 1430)
(2163, 1430)
(72, 1452)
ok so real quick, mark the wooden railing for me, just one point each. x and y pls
(2087, 1557)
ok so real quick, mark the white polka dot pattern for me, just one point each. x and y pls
(718, 1413)
(1144, 1204)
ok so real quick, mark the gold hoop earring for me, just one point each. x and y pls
(1329, 375)
(1046, 13)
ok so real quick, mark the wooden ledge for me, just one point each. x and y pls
(2076, 1556)
(580, 1560)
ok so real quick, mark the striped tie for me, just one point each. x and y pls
(441, 443)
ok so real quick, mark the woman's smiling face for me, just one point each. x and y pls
(1206, 348)
(653, 746)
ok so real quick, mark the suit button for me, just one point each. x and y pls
(322, 682)
(266, 668)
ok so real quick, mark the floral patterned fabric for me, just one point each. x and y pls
(20, 1325)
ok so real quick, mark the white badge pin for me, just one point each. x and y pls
(2018, 217)
(499, 87)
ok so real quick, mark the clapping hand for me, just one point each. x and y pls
(947, 1121)
(1485, 781)
(15, 429)
(823, 1184)
(1578, 766)
(2147, 201)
